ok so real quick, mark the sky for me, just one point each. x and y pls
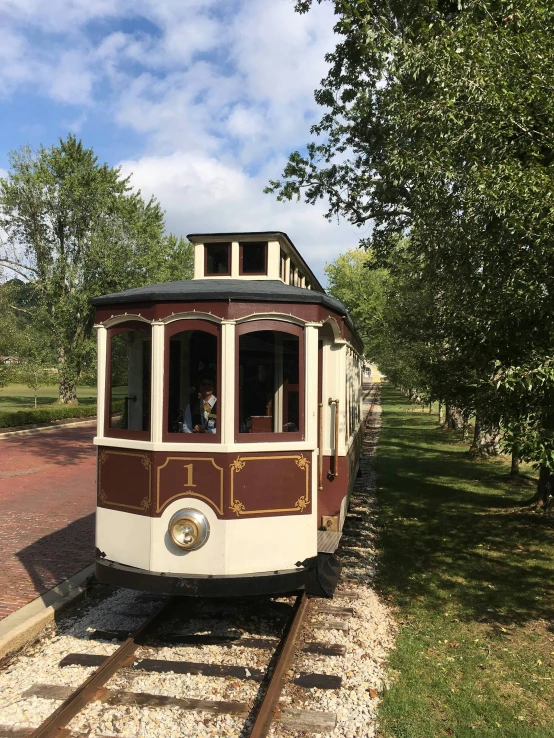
(200, 100)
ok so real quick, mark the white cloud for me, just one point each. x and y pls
(202, 195)
(219, 93)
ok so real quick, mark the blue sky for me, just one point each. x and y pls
(202, 100)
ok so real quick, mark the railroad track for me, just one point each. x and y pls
(257, 714)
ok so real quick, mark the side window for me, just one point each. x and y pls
(129, 361)
(218, 259)
(191, 397)
(269, 383)
(253, 258)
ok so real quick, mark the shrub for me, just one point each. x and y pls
(12, 418)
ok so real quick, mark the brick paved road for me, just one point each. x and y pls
(47, 499)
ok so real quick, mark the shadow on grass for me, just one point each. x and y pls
(453, 535)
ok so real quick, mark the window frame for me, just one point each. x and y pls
(171, 329)
(293, 329)
(228, 244)
(242, 244)
(109, 432)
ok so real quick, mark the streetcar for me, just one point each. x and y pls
(229, 425)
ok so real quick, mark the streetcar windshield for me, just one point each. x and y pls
(269, 391)
(192, 403)
(130, 361)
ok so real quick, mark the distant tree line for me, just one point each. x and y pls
(437, 137)
(71, 229)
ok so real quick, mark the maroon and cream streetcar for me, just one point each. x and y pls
(229, 425)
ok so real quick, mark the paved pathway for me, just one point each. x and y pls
(47, 499)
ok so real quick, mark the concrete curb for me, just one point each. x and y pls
(42, 428)
(24, 624)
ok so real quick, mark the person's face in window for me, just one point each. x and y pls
(206, 389)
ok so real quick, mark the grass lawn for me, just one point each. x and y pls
(20, 397)
(470, 575)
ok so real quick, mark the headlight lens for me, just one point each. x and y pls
(189, 529)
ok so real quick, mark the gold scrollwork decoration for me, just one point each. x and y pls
(302, 462)
(238, 507)
(146, 462)
(237, 464)
(103, 457)
(102, 497)
(301, 503)
(145, 504)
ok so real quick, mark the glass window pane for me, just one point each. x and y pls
(269, 391)
(192, 404)
(217, 258)
(131, 353)
(254, 258)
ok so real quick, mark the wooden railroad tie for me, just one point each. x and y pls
(305, 679)
(316, 647)
(291, 718)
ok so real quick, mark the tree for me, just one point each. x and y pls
(362, 291)
(439, 124)
(75, 229)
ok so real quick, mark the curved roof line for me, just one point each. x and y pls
(241, 290)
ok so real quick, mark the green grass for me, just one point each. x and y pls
(470, 575)
(20, 397)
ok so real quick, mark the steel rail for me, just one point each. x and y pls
(267, 709)
(92, 687)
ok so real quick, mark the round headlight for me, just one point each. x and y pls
(189, 529)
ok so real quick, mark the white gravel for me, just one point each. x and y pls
(370, 637)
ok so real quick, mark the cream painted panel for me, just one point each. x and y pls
(227, 373)
(157, 373)
(198, 261)
(101, 391)
(268, 544)
(311, 383)
(273, 259)
(167, 557)
(235, 259)
(123, 537)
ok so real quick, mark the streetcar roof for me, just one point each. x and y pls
(241, 290)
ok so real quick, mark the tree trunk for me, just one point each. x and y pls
(543, 497)
(67, 392)
(441, 412)
(486, 441)
(514, 470)
(68, 386)
(465, 427)
(454, 418)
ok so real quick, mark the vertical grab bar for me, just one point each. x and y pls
(320, 445)
(335, 471)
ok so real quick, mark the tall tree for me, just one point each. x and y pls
(75, 229)
(361, 289)
(439, 123)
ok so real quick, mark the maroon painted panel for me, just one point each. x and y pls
(189, 475)
(124, 480)
(229, 310)
(271, 484)
(244, 485)
(334, 490)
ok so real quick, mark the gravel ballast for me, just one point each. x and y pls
(370, 636)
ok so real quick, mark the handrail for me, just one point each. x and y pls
(320, 446)
(335, 471)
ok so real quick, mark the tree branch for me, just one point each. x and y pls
(16, 267)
